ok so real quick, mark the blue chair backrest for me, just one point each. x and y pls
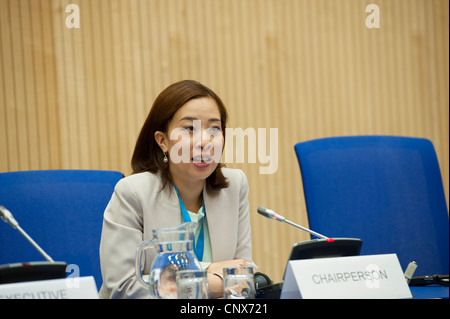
(385, 190)
(62, 210)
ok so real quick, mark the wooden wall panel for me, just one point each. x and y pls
(76, 98)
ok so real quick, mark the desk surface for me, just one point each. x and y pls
(430, 292)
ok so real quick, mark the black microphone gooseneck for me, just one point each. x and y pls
(9, 219)
(272, 215)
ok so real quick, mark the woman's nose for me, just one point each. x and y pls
(202, 139)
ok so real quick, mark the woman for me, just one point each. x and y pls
(175, 165)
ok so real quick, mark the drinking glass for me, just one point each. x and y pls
(238, 283)
(192, 284)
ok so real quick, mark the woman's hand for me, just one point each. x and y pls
(215, 282)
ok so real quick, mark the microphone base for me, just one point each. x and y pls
(325, 248)
(32, 271)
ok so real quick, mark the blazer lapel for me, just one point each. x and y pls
(170, 206)
(169, 197)
(217, 228)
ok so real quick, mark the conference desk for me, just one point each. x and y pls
(430, 292)
(419, 292)
(86, 289)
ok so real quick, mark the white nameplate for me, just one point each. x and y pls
(359, 277)
(68, 288)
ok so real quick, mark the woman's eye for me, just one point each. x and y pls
(214, 130)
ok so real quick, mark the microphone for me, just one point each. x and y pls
(318, 248)
(9, 219)
(272, 215)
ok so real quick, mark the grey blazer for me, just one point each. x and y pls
(138, 206)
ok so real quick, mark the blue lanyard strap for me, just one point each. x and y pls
(200, 243)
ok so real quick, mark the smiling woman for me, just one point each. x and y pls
(177, 178)
(190, 132)
(149, 154)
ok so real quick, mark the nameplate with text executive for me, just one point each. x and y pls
(67, 288)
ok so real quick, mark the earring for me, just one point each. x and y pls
(165, 160)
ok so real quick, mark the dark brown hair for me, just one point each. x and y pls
(147, 155)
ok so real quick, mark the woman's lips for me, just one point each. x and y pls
(201, 165)
(202, 161)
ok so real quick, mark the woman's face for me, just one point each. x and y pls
(194, 140)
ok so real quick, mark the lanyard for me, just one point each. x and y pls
(200, 243)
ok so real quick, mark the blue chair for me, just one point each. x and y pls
(385, 190)
(62, 210)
